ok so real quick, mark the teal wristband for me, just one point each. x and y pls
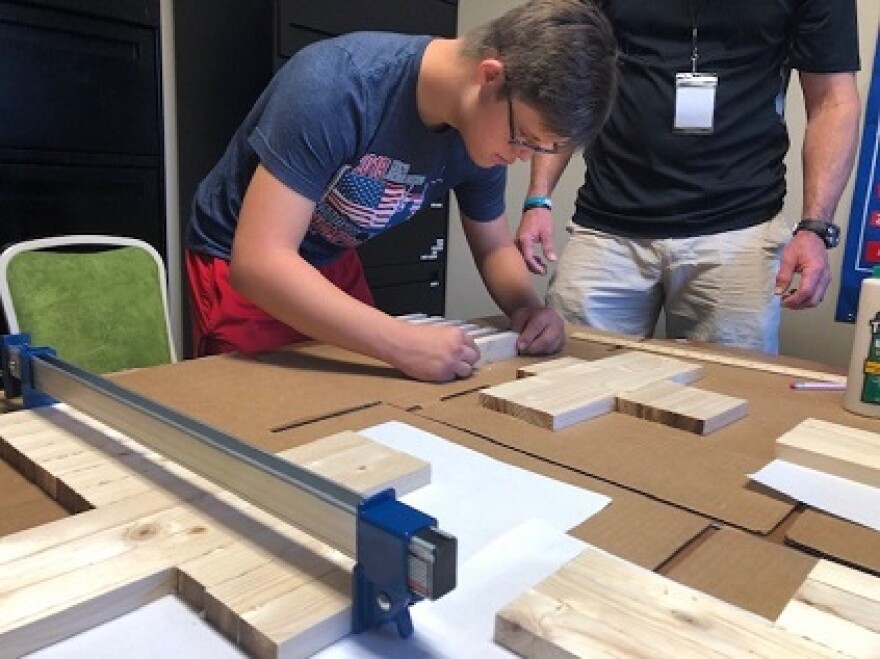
(537, 202)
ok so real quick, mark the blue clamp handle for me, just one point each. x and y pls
(380, 587)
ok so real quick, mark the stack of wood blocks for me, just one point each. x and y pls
(495, 345)
(599, 605)
(558, 393)
(150, 528)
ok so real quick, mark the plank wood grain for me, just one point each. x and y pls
(271, 588)
(838, 607)
(560, 392)
(601, 606)
(688, 408)
(544, 403)
(702, 355)
(833, 448)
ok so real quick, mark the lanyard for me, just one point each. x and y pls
(695, 14)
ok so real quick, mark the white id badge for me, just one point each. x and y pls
(695, 102)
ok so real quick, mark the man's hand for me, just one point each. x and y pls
(541, 330)
(536, 227)
(807, 256)
(435, 353)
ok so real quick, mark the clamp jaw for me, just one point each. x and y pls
(17, 356)
(401, 558)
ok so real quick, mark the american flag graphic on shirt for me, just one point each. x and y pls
(368, 202)
(359, 205)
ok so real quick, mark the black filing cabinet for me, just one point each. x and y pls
(80, 120)
(227, 51)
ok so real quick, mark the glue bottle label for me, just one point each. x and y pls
(871, 382)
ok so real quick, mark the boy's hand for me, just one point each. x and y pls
(435, 353)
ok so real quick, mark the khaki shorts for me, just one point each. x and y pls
(717, 288)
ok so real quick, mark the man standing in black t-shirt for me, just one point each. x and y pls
(680, 208)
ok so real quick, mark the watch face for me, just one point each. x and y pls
(832, 235)
(827, 231)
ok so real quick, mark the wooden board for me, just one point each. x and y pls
(838, 607)
(547, 403)
(599, 605)
(713, 357)
(155, 528)
(833, 448)
(560, 392)
(688, 408)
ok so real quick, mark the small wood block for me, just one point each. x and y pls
(687, 408)
(548, 403)
(496, 347)
(833, 448)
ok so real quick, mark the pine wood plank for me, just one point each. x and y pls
(833, 448)
(259, 585)
(353, 460)
(325, 611)
(711, 357)
(138, 557)
(838, 607)
(695, 410)
(598, 605)
(548, 403)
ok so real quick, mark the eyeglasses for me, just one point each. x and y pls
(517, 143)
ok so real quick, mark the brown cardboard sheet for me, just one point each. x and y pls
(745, 570)
(253, 396)
(641, 530)
(662, 462)
(22, 504)
(826, 535)
(633, 526)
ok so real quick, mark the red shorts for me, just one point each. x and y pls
(223, 320)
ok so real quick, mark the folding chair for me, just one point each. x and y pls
(100, 301)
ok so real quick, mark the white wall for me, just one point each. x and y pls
(811, 334)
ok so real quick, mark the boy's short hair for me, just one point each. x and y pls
(560, 57)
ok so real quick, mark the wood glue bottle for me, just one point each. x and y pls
(863, 382)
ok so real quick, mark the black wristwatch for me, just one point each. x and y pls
(827, 231)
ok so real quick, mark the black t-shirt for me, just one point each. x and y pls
(643, 179)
